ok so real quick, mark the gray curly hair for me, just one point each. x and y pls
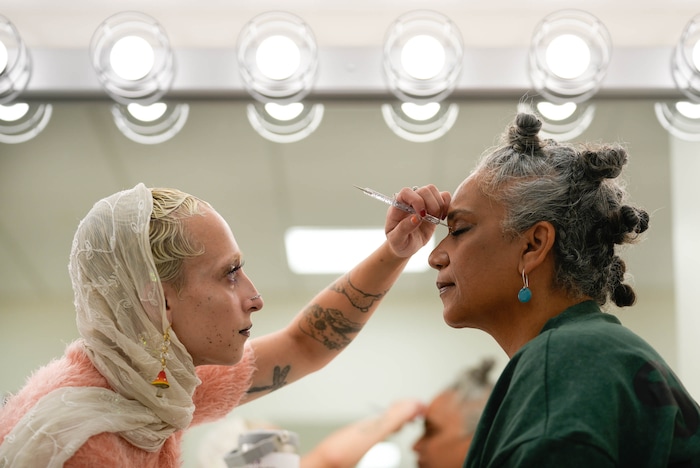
(575, 188)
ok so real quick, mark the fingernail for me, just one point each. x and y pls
(423, 213)
(415, 220)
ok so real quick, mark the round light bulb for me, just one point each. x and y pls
(423, 57)
(420, 112)
(284, 112)
(13, 112)
(568, 56)
(147, 113)
(688, 109)
(278, 57)
(132, 58)
(556, 112)
(3, 57)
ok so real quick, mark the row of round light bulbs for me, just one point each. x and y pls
(277, 57)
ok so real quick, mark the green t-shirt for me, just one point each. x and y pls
(587, 392)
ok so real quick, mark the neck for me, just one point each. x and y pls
(525, 321)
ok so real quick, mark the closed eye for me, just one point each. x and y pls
(456, 232)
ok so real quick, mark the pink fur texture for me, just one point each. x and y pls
(221, 389)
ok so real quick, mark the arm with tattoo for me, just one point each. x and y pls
(361, 300)
(330, 326)
(279, 380)
(326, 326)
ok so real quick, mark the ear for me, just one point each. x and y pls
(539, 241)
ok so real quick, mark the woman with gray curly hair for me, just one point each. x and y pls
(530, 259)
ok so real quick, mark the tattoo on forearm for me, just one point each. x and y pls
(358, 298)
(329, 327)
(279, 380)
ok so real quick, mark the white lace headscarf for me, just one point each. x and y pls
(121, 318)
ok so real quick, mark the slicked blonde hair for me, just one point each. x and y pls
(170, 241)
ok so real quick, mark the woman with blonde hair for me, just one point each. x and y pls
(164, 314)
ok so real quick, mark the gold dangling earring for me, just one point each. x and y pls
(162, 380)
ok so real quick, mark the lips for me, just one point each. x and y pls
(443, 286)
(246, 331)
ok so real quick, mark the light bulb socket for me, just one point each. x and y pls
(285, 131)
(684, 62)
(420, 131)
(28, 126)
(17, 71)
(675, 123)
(408, 26)
(154, 131)
(156, 83)
(593, 33)
(295, 86)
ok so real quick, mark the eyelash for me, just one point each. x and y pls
(232, 272)
(456, 233)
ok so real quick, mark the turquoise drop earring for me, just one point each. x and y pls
(524, 295)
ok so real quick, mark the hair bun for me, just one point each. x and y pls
(522, 135)
(623, 295)
(604, 163)
(626, 221)
(643, 221)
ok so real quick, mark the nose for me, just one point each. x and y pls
(254, 300)
(417, 445)
(438, 258)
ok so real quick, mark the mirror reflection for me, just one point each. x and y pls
(263, 188)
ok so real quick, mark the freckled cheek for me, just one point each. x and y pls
(222, 331)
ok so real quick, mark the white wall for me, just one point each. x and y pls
(685, 191)
(405, 351)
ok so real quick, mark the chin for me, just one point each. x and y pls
(450, 320)
(456, 325)
(236, 359)
(220, 360)
(453, 324)
(231, 361)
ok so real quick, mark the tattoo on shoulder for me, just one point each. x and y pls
(359, 299)
(329, 326)
(279, 380)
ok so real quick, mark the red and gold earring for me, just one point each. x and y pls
(161, 381)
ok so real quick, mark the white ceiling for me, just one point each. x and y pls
(216, 23)
(49, 183)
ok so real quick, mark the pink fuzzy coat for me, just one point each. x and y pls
(221, 389)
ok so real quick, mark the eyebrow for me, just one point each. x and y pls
(459, 212)
(236, 260)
